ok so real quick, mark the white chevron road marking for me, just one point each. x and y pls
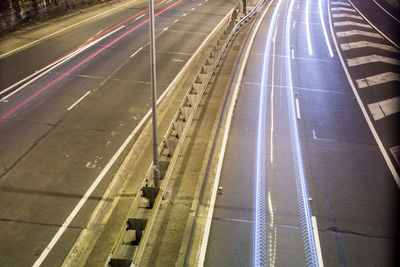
(378, 79)
(371, 59)
(344, 15)
(358, 32)
(351, 23)
(382, 109)
(363, 44)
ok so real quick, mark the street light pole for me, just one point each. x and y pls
(154, 96)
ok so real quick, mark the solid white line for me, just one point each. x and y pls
(71, 26)
(371, 59)
(328, 44)
(387, 38)
(387, 12)
(56, 64)
(137, 51)
(79, 100)
(207, 227)
(310, 51)
(362, 44)
(317, 243)
(297, 109)
(364, 111)
(141, 16)
(65, 225)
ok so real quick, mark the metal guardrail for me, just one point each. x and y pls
(169, 150)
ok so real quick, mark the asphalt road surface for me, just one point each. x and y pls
(62, 125)
(309, 175)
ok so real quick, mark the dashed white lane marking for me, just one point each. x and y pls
(371, 59)
(351, 23)
(344, 15)
(192, 9)
(176, 21)
(342, 9)
(384, 108)
(363, 44)
(378, 79)
(141, 16)
(137, 51)
(184, 14)
(292, 53)
(317, 243)
(358, 32)
(340, 4)
(200, 4)
(177, 60)
(166, 28)
(79, 100)
(297, 109)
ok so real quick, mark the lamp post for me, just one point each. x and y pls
(154, 96)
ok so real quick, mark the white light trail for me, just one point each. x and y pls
(328, 44)
(310, 51)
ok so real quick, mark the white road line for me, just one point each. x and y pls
(378, 79)
(200, 4)
(297, 108)
(294, 24)
(53, 66)
(384, 108)
(317, 243)
(292, 53)
(192, 9)
(363, 44)
(387, 12)
(358, 32)
(351, 23)
(66, 28)
(166, 28)
(135, 53)
(308, 34)
(342, 9)
(387, 38)
(364, 111)
(79, 100)
(344, 15)
(328, 44)
(340, 3)
(141, 16)
(176, 20)
(371, 59)
(184, 14)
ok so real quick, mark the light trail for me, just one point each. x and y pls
(61, 77)
(328, 44)
(260, 256)
(301, 182)
(310, 51)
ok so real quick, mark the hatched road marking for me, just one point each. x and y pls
(378, 79)
(363, 44)
(382, 109)
(371, 59)
(358, 32)
(351, 23)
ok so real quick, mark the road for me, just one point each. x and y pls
(62, 128)
(310, 172)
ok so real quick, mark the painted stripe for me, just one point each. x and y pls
(79, 100)
(364, 44)
(351, 23)
(340, 3)
(371, 59)
(297, 109)
(328, 44)
(382, 109)
(141, 16)
(344, 15)
(358, 32)
(342, 9)
(317, 243)
(137, 51)
(378, 79)
(308, 34)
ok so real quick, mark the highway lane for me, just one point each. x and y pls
(352, 193)
(50, 155)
